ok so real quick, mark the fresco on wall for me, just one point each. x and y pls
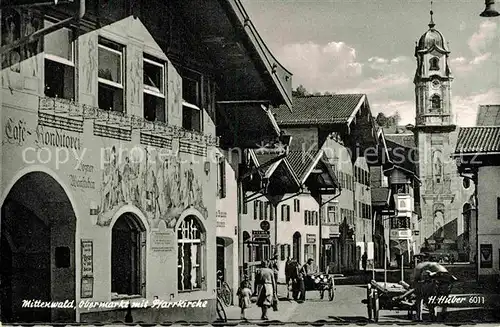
(90, 65)
(11, 31)
(32, 23)
(161, 186)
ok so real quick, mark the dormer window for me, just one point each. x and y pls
(434, 63)
(435, 102)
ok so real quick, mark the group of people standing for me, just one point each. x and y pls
(299, 278)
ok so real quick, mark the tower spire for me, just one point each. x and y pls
(431, 24)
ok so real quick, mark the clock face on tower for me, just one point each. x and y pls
(435, 83)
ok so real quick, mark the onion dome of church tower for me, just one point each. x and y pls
(432, 39)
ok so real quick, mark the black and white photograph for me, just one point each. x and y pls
(257, 162)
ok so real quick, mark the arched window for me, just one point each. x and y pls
(436, 102)
(191, 254)
(128, 256)
(434, 63)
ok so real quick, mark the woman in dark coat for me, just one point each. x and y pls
(268, 288)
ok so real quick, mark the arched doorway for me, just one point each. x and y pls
(128, 256)
(38, 250)
(296, 246)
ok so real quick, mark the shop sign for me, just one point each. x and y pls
(261, 234)
(264, 225)
(221, 217)
(16, 131)
(87, 258)
(87, 287)
(401, 234)
(486, 251)
(162, 241)
(310, 238)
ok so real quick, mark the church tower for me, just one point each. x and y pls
(442, 191)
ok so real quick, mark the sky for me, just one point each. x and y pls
(367, 46)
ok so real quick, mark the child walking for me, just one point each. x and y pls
(244, 294)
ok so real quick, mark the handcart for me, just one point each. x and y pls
(430, 293)
(324, 283)
(388, 296)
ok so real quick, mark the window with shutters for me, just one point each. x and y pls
(261, 210)
(271, 212)
(245, 207)
(305, 217)
(255, 210)
(287, 213)
(191, 255)
(128, 245)
(222, 177)
(282, 212)
(266, 210)
(296, 205)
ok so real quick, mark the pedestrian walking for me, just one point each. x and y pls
(288, 275)
(267, 293)
(244, 294)
(274, 266)
(364, 261)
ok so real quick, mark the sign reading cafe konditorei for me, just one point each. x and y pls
(47, 136)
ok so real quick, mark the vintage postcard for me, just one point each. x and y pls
(249, 161)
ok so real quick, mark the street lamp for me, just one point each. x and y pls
(489, 11)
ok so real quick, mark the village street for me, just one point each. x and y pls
(346, 307)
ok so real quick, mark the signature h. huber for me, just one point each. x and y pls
(456, 299)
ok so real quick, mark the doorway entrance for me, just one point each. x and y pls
(296, 246)
(221, 258)
(38, 248)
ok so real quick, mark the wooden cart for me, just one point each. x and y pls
(389, 296)
(386, 296)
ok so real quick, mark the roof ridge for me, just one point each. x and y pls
(326, 95)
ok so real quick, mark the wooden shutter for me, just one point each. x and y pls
(222, 169)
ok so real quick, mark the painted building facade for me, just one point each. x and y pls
(110, 160)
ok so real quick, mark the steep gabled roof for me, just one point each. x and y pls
(488, 115)
(319, 110)
(407, 140)
(479, 139)
(301, 161)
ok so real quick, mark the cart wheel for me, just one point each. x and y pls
(376, 306)
(369, 301)
(331, 294)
